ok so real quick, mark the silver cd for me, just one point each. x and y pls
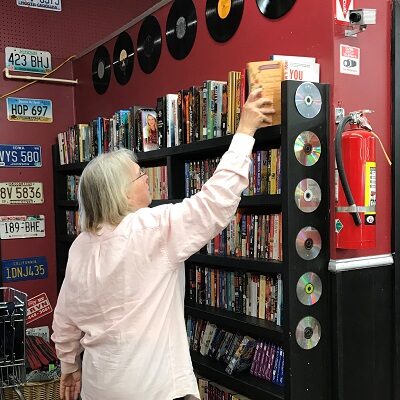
(307, 148)
(307, 195)
(309, 288)
(308, 100)
(308, 332)
(308, 243)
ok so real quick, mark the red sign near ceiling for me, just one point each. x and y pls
(345, 6)
(342, 9)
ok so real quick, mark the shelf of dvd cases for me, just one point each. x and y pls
(260, 328)
(248, 385)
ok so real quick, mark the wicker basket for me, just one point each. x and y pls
(36, 391)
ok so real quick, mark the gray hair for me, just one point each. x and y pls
(102, 192)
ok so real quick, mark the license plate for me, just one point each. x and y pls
(20, 155)
(22, 226)
(29, 110)
(23, 269)
(51, 5)
(21, 193)
(26, 60)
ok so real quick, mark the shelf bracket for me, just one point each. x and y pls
(39, 78)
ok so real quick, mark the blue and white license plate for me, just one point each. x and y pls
(22, 226)
(19, 155)
(26, 60)
(23, 269)
(51, 5)
(29, 110)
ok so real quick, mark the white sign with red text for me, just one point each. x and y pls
(349, 60)
(38, 307)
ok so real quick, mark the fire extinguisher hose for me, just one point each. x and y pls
(340, 167)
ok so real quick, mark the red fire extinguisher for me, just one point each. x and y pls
(355, 221)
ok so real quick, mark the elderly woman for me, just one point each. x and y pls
(123, 293)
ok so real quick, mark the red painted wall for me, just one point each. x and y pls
(79, 25)
(370, 90)
(256, 38)
(43, 135)
(308, 29)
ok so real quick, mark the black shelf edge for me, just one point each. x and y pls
(67, 203)
(249, 264)
(67, 238)
(155, 155)
(261, 200)
(243, 383)
(255, 327)
(72, 168)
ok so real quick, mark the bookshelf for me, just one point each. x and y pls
(306, 371)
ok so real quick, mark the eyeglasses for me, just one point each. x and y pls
(142, 172)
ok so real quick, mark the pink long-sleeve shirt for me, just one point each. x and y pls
(122, 299)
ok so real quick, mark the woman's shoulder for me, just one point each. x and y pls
(148, 217)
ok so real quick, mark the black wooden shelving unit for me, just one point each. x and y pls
(307, 372)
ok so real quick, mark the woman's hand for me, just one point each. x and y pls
(70, 385)
(256, 113)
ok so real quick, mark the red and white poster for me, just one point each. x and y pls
(349, 60)
(342, 11)
(38, 307)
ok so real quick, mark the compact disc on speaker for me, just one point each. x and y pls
(274, 9)
(149, 44)
(223, 18)
(308, 100)
(181, 28)
(123, 58)
(307, 195)
(307, 148)
(101, 69)
(308, 243)
(308, 332)
(309, 288)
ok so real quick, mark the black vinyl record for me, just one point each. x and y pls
(101, 69)
(181, 28)
(123, 57)
(149, 44)
(223, 18)
(274, 9)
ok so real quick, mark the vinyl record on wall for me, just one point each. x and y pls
(223, 18)
(101, 69)
(149, 44)
(181, 28)
(123, 58)
(274, 9)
